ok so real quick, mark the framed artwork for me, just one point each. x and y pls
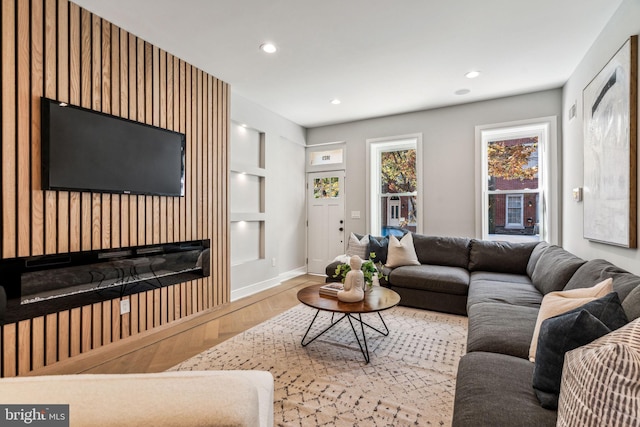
(610, 104)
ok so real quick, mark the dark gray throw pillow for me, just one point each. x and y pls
(559, 335)
(379, 246)
(567, 332)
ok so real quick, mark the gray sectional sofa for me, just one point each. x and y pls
(500, 287)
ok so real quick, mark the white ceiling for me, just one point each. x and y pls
(379, 57)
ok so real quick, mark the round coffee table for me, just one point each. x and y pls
(375, 301)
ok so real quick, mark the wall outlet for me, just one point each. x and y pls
(125, 306)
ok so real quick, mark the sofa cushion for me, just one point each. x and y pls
(501, 328)
(503, 257)
(358, 246)
(380, 247)
(631, 304)
(504, 288)
(436, 278)
(556, 303)
(401, 252)
(449, 251)
(330, 270)
(596, 270)
(569, 331)
(495, 390)
(535, 256)
(554, 269)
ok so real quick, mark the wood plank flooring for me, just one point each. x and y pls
(167, 346)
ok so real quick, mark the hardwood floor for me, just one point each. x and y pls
(164, 347)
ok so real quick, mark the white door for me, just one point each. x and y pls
(325, 216)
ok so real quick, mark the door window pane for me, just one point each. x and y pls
(326, 188)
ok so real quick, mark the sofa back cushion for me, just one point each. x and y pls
(535, 256)
(631, 304)
(554, 269)
(596, 270)
(447, 251)
(500, 257)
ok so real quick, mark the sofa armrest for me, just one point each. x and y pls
(186, 398)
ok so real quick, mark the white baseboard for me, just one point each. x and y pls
(261, 286)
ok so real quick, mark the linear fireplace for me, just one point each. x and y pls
(36, 286)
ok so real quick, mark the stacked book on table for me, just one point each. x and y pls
(330, 289)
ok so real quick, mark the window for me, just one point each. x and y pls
(515, 181)
(514, 211)
(326, 188)
(394, 182)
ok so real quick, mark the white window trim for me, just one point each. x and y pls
(550, 186)
(375, 145)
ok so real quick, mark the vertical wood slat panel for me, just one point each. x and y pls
(105, 84)
(50, 91)
(85, 101)
(63, 335)
(9, 347)
(148, 114)
(57, 49)
(51, 339)
(75, 237)
(24, 128)
(63, 95)
(37, 342)
(8, 74)
(37, 83)
(189, 132)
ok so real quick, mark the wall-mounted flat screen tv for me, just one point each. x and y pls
(85, 150)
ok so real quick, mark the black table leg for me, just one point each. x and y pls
(362, 344)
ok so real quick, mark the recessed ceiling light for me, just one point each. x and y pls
(268, 47)
(462, 91)
(335, 101)
(472, 74)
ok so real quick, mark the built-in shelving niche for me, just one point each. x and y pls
(36, 286)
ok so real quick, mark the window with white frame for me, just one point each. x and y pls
(513, 182)
(394, 180)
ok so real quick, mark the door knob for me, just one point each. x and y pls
(341, 222)
(341, 229)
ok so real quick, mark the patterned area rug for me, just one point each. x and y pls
(409, 381)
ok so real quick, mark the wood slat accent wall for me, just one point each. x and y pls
(56, 49)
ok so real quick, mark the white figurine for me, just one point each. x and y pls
(353, 282)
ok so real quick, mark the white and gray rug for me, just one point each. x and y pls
(409, 381)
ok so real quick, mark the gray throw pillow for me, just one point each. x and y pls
(569, 331)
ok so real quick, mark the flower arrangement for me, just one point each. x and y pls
(369, 270)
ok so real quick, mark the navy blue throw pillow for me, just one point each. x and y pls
(379, 246)
(567, 332)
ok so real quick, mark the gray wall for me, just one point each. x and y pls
(284, 204)
(623, 24)
(448, 155)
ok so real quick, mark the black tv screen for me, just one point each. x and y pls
(85, 150)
